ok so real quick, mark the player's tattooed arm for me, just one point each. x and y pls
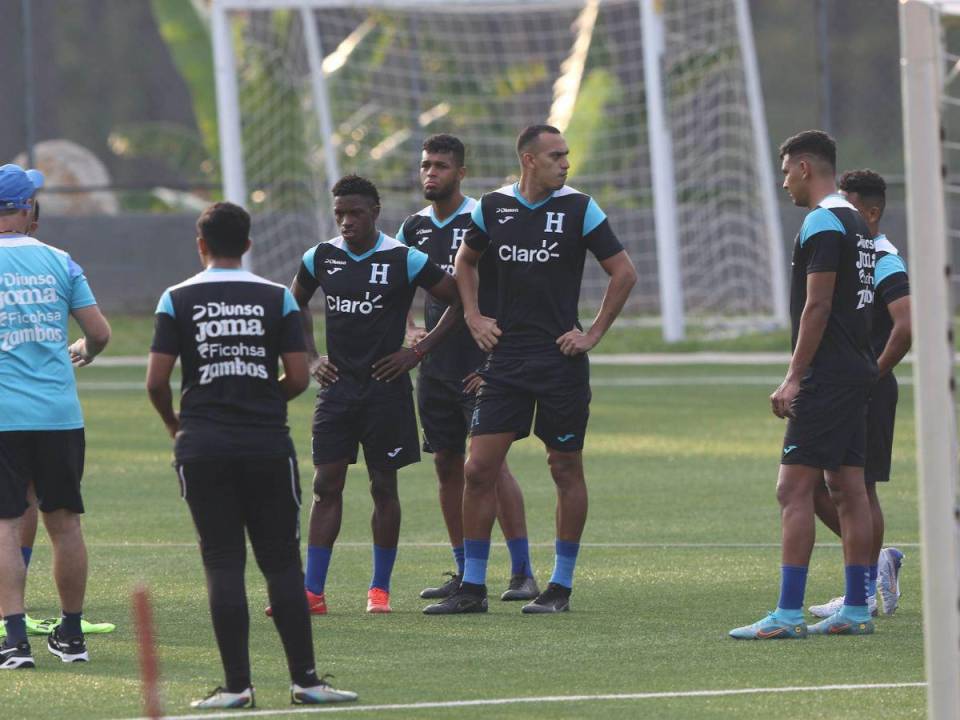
(813, 321)
(321, 369)
(623, 276)
(484, 329)
(159, 369)
(405, 359)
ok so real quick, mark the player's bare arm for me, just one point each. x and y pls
(296, 374)
(900, 336)
(321, 369)
(623, 276)
(484, 330)
(813, 321)
(405, 359)
(159, 370)
(96, 335)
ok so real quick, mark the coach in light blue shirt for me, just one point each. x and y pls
(41, 425)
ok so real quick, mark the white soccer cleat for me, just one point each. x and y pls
(834, 605)
(220, 698)
(888, 579)
(320, 694)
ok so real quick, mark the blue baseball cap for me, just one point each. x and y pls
(18, 186)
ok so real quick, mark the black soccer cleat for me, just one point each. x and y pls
(462, 601)
(555, 599)
(445, 590)
(522, 587)
(16, 657)
(69, 650)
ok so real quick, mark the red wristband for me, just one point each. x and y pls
(418, 352)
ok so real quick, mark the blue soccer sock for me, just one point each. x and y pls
(383, 559)
(520, 557)
(477, 553)
(318, 562)
(564, 563)
(16, 626)
(793, 584)
(70, 627)
(856, 588)
(458, 557)
(27, 553)
(872, 582)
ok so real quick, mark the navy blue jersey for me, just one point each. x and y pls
(367, 298)
(229, 328)
(891, 282)
(834, 238)
(458, 355)
(539, 250)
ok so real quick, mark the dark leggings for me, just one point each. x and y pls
(262, 497)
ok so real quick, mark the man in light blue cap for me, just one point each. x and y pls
(41, 425)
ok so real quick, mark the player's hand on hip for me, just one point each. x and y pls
(413, 335)
(781, 401)
(485, 331)
(472, 383)
(78, 353)
(324, 371)
(173, 427)
(575, 342)
(395, 364)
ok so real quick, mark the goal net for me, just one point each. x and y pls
(318, 89)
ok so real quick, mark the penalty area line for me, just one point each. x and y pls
(615, 697)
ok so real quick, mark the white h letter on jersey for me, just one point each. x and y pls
(378, 273)
(458, 235)
(554, 222)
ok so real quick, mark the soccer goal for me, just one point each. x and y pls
(659, 101)
(930, 67)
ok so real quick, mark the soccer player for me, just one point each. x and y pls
(234, 457)
(538, 231)
(866, 191)
(41, 424)
(365, 397)
(443, 398)
(28, 530)
(824, 395)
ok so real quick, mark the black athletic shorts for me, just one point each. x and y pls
(379, 416)
(51, 459)
(881, 415)
(555, 389)
(829, 427)
(445, 413)
(255, 495)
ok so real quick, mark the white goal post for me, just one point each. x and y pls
(660, 102)
(924, 71)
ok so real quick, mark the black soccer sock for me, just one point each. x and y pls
(292, 620)
(231, 624)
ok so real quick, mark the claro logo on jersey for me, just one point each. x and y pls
(347, 305)
(219, 319)
(512, 253)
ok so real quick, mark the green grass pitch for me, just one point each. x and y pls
(680, 547)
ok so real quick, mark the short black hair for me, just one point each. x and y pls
(811, 142)
(36, 210)
(531, 133)
(356, 185)
(444, 143)
(226, 228)
(867, 184)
